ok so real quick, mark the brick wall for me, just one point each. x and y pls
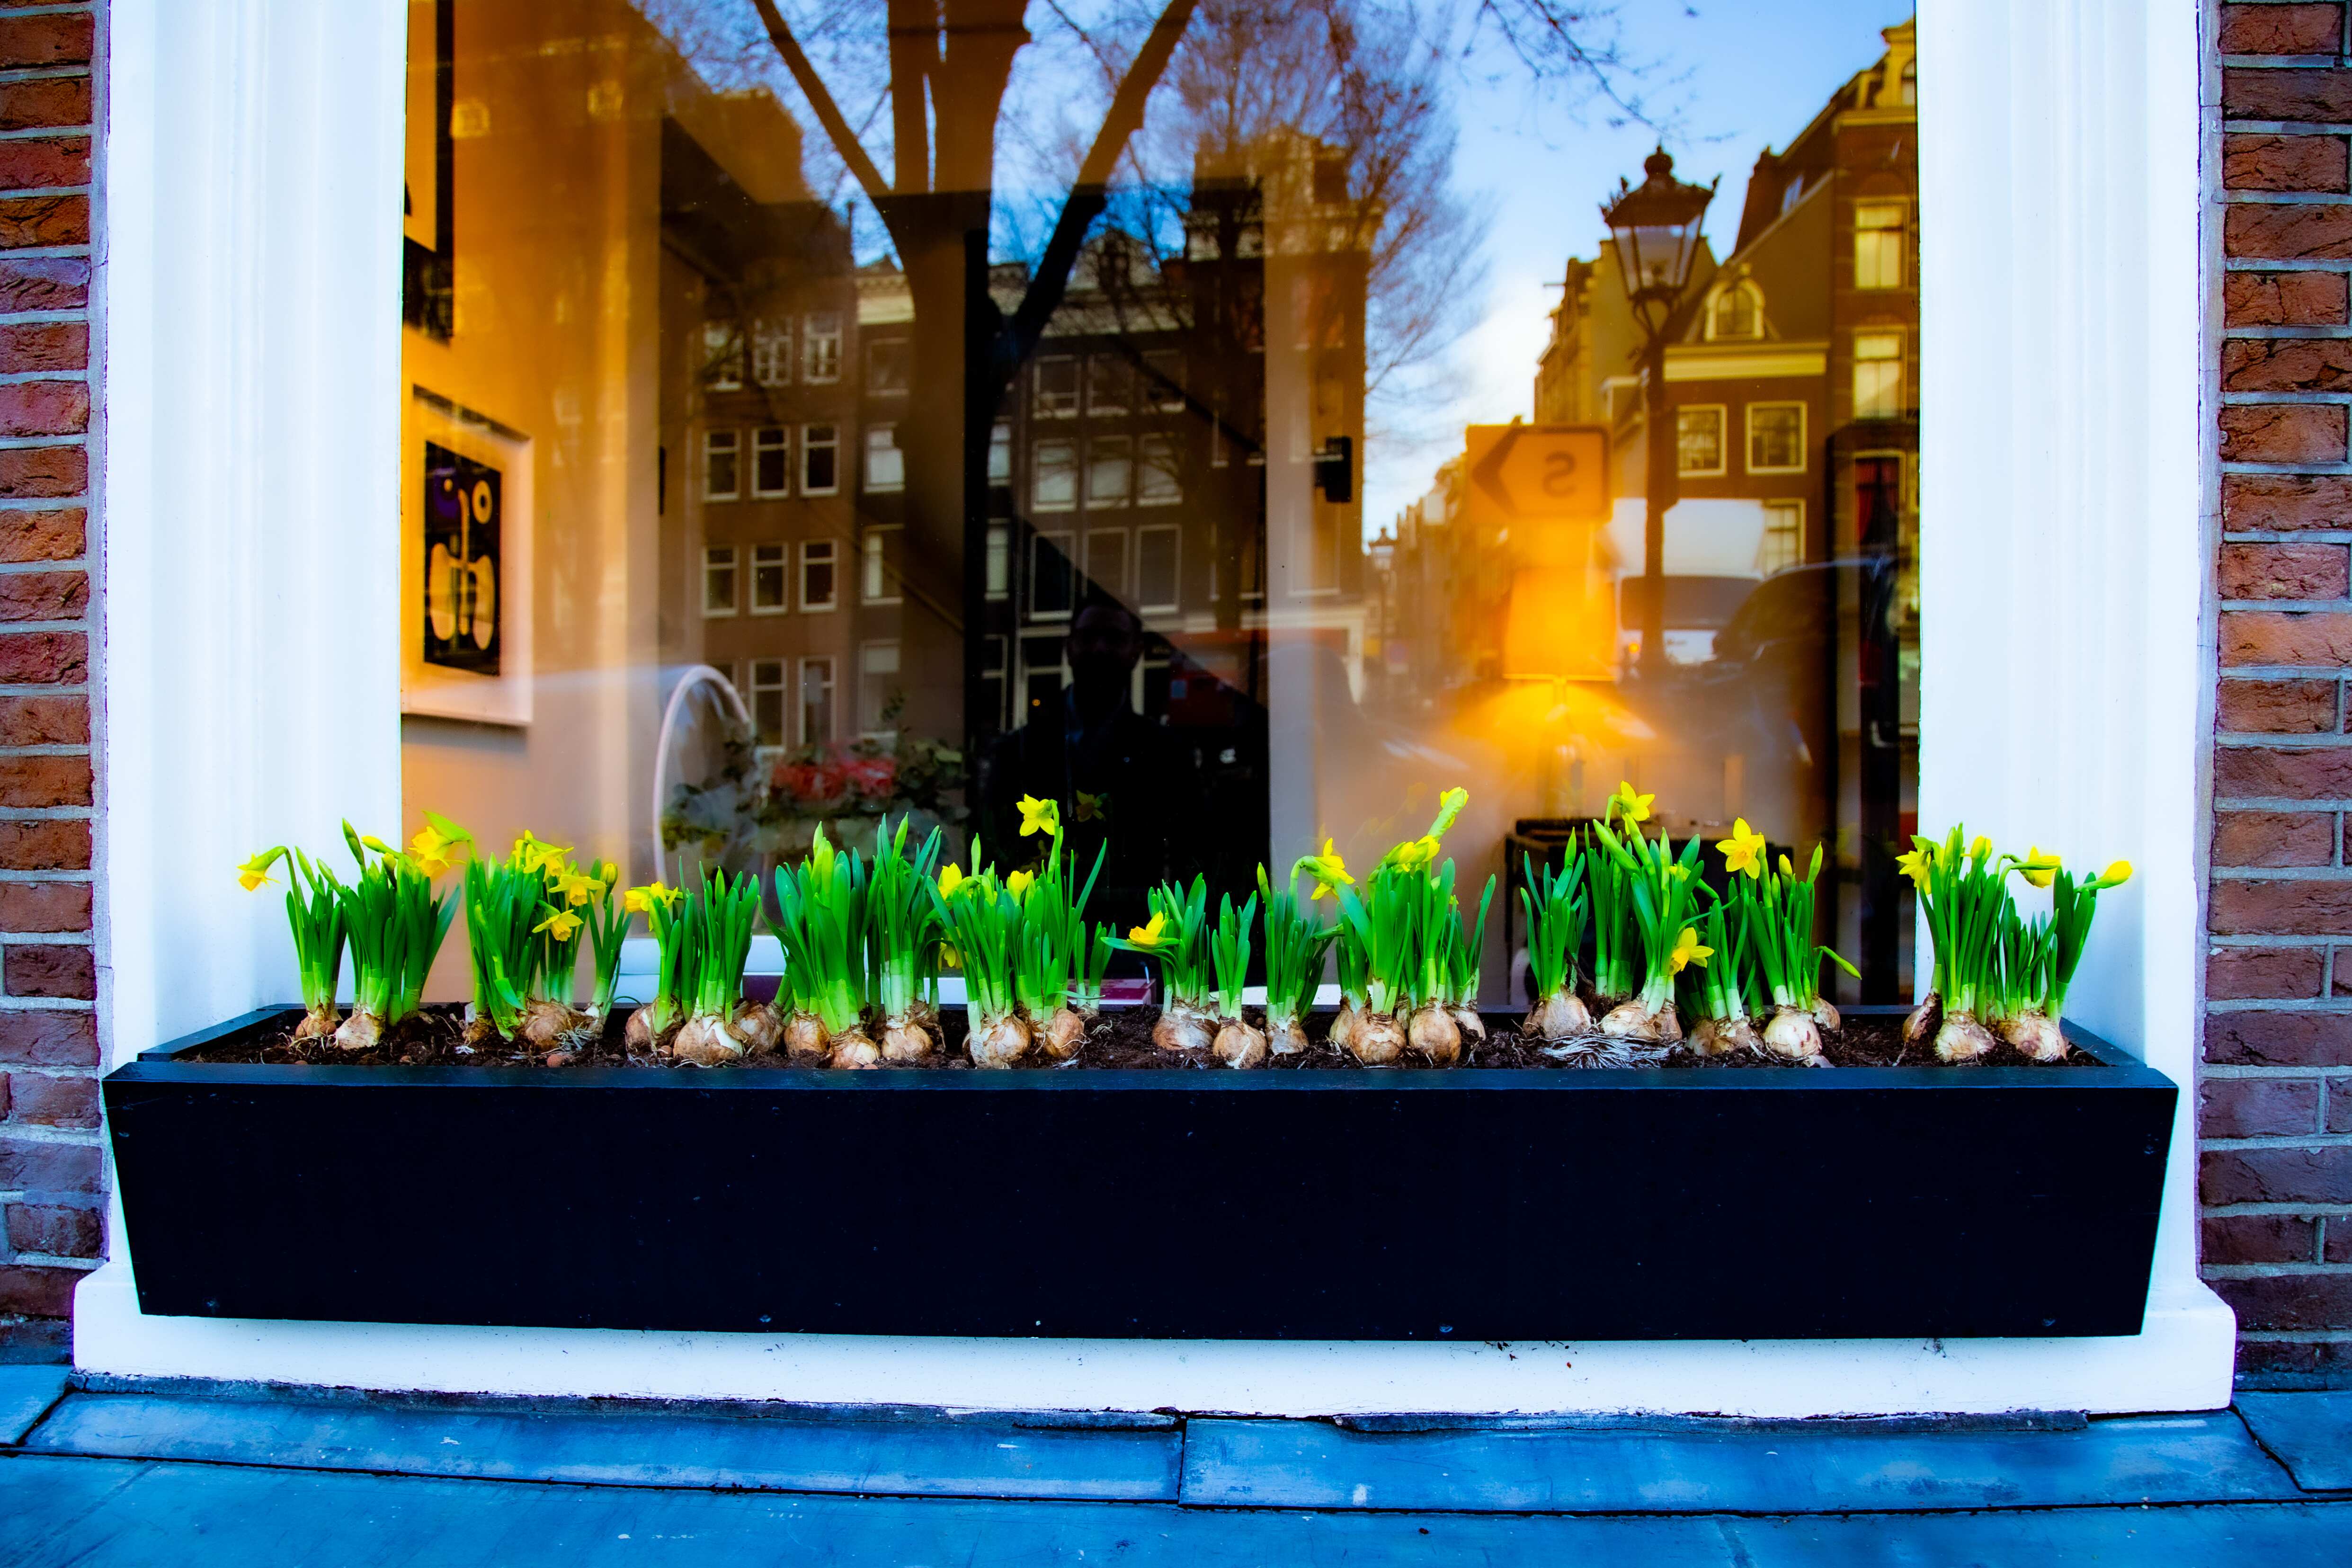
(52, 1184)
(2275, 1097)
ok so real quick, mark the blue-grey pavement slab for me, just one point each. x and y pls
(109, 1513)
(25, 1392)
(2310, 1433)
(1701, 1467)
(624, 1447)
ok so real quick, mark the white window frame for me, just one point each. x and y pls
(823, 344)
(1175, 600)
(1891, 251)
(777, 557)
(772, 350)
(877, 584)
(1039, 408)
(761, 443)
(1768, 559)
(866, 652)
(1038, 503)
(717, 559)
(781, 688)
(1110, 450)
(714, 443)
(1722, 412)
(810, 443)
(1065, 540)
(996, 580)
(1163, 442)
(818, 552)
(722, 356)
(891, 484)
(1748, 438)
(1897, 360)
(802, 669)
(228, 266)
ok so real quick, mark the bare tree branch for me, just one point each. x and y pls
(828, 113)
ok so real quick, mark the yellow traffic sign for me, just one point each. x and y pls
(1548, 473)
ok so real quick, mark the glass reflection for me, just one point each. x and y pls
(1161, 406)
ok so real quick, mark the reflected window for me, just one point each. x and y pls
(879, 574)
(878, 681)
(1878, 375)
(1163, 382)
(718, 580)
(819, 589)
(1056, 382)
(1698, 440)
(1108, 380)
(1050, 588)
(1000, 454)
(772, 350)
(1775, 437)
(771, 461)
(769, 570)
(1783, 543)
(1878, 234)
(821, 347)
(1054, 476)
(1738, 313)
(816, 701)
(886, 366)
(768, 700)
(820, 459)
(723, 460)
(996, 580)
(1107, 560)
(722, 356)
(886, 466)
(1156, 568)
(1160, 484)
(1111, 470)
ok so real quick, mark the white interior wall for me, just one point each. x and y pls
(253, 303)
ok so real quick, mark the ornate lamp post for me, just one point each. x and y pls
(1654, 227)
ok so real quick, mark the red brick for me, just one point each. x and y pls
(39, 1037)
(53, 1101)
(2339, 1240)
(45, 101)
(2278, 1040)
(2300, 1301)
(38, 1293)
(2285, 299)
(28, 348)
(2257, 974)
(56, 40)
(2314, 1364)
(2283, 433)
(42, 595)
(2280, 504)
(2320, 95)
(44, 408)
(62, 282)
(2262, 161)
(44, 721)
(49, 969)
(2321, 638)
(37, 783)
(45, 162)
(2257, 1107)
(44, 1167)
(29, 658)
(2308, 29)
(34, 473)
(2320, 773)
(44, 220)
(2251, 1238)
(2283, 571)
(2273, 838)
(2286, 364)
(51, 534)
(2232, 1175)
(57, 1229)
(2274, 707)
(44, 906)
(45, 844)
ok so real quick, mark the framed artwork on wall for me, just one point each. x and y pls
(465, 536)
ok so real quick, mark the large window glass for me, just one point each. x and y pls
(1238, 417)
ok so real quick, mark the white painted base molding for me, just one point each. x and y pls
(2180, 1360)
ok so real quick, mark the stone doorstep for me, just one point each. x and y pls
(2310, 1434)
(1635, 1465)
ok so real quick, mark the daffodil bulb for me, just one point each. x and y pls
(907, 1040)
(806, 1043)
(2036, 1034)
(1794, 1035)
(548, 1025)
(1559, 1016)
(1343, 1023)
(360, 1032)
(1960, 1038)
(1433, 1033)
(1378, 1039)
(1721, 1036)
(1919, 1029)
(1063, 1033)
(1468, 1022)
(1240, 1044)
(999, 1042)
(1182, 1028)
(757, 1026)
(855, 1051)
(1285, 1037)
(1825, 1017)
(1635, 1020)
(703, 1041)
(319, 1023)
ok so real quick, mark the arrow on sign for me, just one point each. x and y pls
(1542, 471)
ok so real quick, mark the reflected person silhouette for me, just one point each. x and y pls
(1108, 767)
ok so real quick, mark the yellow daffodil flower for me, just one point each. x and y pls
(533, 855)
(432, 849)
(1148, 935)
(1040, 816)
(1914, 865)
(950, 878)
(1633, 808)
(1413, 854)
(576, 888)
(1093, 808)
(2117, 873)
(1330, 871)
(2038, 868)
(254, 869)
(1687, 951)
(641, 900)
(560, 924)
(1743, 851)
(1018, 884)
(949, 956)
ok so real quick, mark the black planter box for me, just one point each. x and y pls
(1313, 1205)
